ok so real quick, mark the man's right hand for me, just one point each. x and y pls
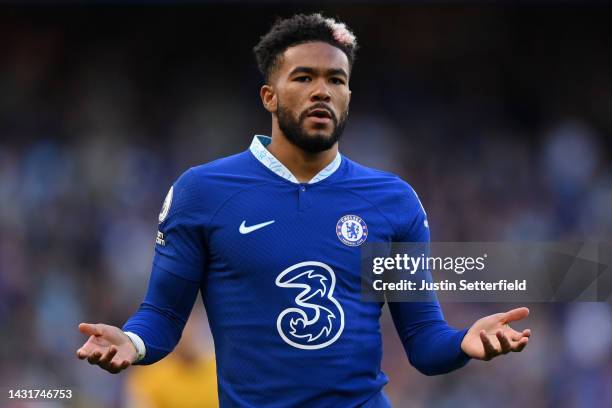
(107, 346)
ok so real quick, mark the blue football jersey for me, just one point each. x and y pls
(278, 266)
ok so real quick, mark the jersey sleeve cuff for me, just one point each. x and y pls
(139, 344)
(462, 358)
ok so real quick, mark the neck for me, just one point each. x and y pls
(303, 165)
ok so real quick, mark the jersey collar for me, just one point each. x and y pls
(261, 153)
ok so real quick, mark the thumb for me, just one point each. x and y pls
(515, 314)
(90, 329)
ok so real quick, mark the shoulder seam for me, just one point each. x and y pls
(189, 173)
(379, 171)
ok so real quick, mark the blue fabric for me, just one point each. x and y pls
(162, 316)
(283, 300)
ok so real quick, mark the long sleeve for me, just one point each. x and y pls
(433, 347)
(162, 316)
(178, 269)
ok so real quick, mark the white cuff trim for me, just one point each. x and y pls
(139, 344)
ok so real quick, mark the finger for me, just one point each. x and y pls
(94, 358)
(84, 352)
(503, 342)
(489, 348)
(108, 356)
(515, 314)
(90, 329)
(513, 334)
(112, 368)
(88, 348)
(520, 345)
(115, 367)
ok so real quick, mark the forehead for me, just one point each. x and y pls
(318, 55)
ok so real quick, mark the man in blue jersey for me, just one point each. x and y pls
(271, 238)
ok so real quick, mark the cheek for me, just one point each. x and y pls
(343, 100)
(292, 102)
(293, 93)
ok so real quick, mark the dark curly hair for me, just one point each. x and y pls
(299, 29)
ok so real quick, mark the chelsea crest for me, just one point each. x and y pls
(352, 230)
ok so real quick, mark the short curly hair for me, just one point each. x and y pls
(300, 29)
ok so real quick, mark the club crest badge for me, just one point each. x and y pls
(352, 230)
(166, 206)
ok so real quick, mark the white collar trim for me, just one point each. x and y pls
(261, 153)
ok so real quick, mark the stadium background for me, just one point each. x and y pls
(500, 117)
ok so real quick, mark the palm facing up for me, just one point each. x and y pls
(492, 336)
(107, 347)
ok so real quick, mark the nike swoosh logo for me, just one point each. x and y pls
(247, 230)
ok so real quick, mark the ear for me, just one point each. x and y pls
(268, 98)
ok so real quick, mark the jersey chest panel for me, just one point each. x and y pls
(294, 277)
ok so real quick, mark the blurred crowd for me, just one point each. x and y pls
(500, 118)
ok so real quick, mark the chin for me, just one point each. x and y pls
(320, 134)
(317, 144)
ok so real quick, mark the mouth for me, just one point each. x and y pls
(320, 115)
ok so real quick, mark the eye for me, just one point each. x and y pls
(337, 81)
(303, 78)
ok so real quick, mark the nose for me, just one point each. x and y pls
(321, 92)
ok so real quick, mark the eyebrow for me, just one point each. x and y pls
(309, 70)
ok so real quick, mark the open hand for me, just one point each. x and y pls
(107, 346)
(491, 336)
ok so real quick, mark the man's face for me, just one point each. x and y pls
(312, 92)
